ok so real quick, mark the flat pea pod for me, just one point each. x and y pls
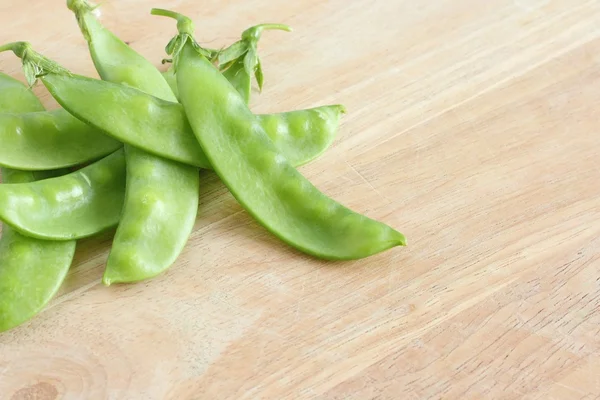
(15, 97)
(45, 140)
(31, 270)
(302, 135)
(161, 199)
(258, 176)
(161, 127)
(159, 204)
(68, 207)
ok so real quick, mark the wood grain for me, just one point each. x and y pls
(472, 128)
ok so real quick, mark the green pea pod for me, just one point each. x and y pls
(260, 177)
(160, 127)
(49, 140)
(31, 270)
(69, 207)
(159, 187)
(146, 122)
(161, 199)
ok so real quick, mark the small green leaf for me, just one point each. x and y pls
(171, 45)
(30, 73)
(250, 61)
(201, 50)
(212, 54)
(178, 46)
(233, 52)
(259, 75)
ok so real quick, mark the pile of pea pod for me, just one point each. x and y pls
(124, 152)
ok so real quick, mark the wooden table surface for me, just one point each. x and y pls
(472, 127)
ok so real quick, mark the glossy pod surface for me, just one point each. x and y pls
(303, 135)
(161, 191)
(300, 135)
(161, 127)
(145, 121)
(234, 74)
(31, 270)
(261, 178)
(50, 140)
(161, 199)
(72, 206)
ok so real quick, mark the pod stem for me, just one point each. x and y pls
(253, 33)
(35, 65)
(80, 8)
(185, 28)
(184, 24)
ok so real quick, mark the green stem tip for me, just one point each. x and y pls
(184, 24)
(81, 5)
(253, 33)
(19, 48)
(185, 28)
(34, 64)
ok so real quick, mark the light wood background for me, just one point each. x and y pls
(473, 128)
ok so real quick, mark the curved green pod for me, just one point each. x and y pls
(31, 270)
(258, 176)
(49, 140)
(68, 207)
(161, 127)
(160, 203)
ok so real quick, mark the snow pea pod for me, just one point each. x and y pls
(161, 127)
(161, 198)
(161, 191)
(68, 207)
(49, 140)
(31, 270)
(259, 176)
